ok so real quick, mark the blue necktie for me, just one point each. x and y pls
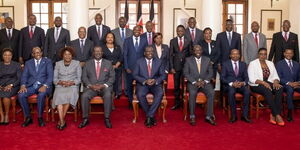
(123, 34)
(37, 65)
(136, 45)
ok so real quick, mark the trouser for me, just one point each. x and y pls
(232, 101)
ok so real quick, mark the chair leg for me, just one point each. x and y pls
(185, 103)
(75, 114)
(251, 106)
(229, 111)
(135, 111)
(224, 104)
(13, 103)
(257, 108)
(47, 109)
(164, 111)
(52, 114)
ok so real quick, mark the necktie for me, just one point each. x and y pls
(149, 68)
(229, 38)
(81, 46)
(123, 34)
(193, 35)
(99, 32)
(199, 65)
(256, 40)
(56, 35)
(9, 34)
(236, 69)
(285, 36)
(37, 65)
(149, 39)
(180, 44)
(31, 32)
(290, 66)
(98, 67)
(136, 44)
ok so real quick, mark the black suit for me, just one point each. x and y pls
(279, 45)
(198, 35)
(225, 47)
(145, 35)
(12, 43)
(87, 50)
(26, 43)
(177, 60)
(52, 48)
(93, 34)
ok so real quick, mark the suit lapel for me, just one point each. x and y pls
(155, 50)
(195, 65)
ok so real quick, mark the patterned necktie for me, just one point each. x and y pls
(31, 32)
(199, 65)
(149, 68)
(149, 38)
(229, 38)
(37, 65)
(98, 67)
(291, 66)
(180, 44)
(81, 46)
(236, 69)
(256, 40)
(136, 44)
(285, 36)
(193, 35)
(123, 34)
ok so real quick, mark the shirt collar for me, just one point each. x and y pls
(99, 25)
(192, 29)
(229, 32)
(179, 38)
(148, 60)
(97, 60)
(136, 37)
(59, 28)
(287, 61)
(232, 61)
(198, 59)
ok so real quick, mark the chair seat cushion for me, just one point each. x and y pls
(200, 99)
(257, 96)
(96, 100)
(13, 98)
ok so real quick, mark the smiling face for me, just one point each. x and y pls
(32, 20)
(235, 55)
(109, 38)
(137, 31)
(288, 54)
(98, 53)
(149, 26)
(8, 23)
(197, 51)
(286, 26)
(158, 40)
(98, 19)
(207, 34)
(37, 53)
(262, 55)
(7, 56)
(67, 56)
(148, 53)
(180, 31)
(57, 22)
(82, 32)
(254, 27)
(192, 22)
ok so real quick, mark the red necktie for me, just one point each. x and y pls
(193, 35)
(256, 40)
(236, 69)
(31, 32)
(98, 70)
(180, 44)
(285, 36)
(149, 68)
(150, 39)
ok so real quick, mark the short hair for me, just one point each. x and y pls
(229, 20)
(234, 50)
(180, 26)
(192, 18)
(149, 47)
(197, 46)
(67, 49)
(149, 22)
(156, 35)
(36, 48)
(207, 28)
(262, 49)
(82, 27)
(114, 42)
(288, 49)
(122, 17)
(31, 15)
(97, 47)
(98, 14)
(7, 50)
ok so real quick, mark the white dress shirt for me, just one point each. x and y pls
(134, 39)
(11, 32)
(182, 38)
(158, 50)
(288, 34)
(257, 37)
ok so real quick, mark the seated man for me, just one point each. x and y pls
(198, 71)
(98, 77)
(149, 75)
(288, 72)
(36, 79)
(235, 78)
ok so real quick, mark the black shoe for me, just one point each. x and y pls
(290, 116)
(62, 127)
(192, 121)
(233, 119)
(41, 122)
(246, 119)
(176, 106)
(210, 121)
(148, 122)
(130, 105)
(153, 120)
(107, 123)
(118, 97)
(27, 122)
(84, 123)
(1, 123)
(5, 123)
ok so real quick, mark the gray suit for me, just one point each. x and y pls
(107, 77)
(118, 36)
(52, 48)
(249, 51)
(191, 73)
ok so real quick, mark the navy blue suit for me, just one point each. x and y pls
(286, 75)
(164, 55)
(224, 47)
(144, 35)
(140, 74)
(33, 81)
(131, 55)
(228, 76)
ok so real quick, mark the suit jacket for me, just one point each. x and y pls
(12, 43)
(279, 45)
(285, 73)
(191, 72)
(145, 36)
(72, 73)
(215, 51)
(177, 57)
(87, 50)
(118, 37)
(250, 49)
(199, 35)
(164, 55)
(107, 73)
(228, 74)
(52, 48)
(26, 43)
(140, 73)
(44, 74)
(115, 56)
(131, 55)
(225, 48)
(93, 34)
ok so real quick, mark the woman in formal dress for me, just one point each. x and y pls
(264, 80)
(161, 51)
(10, 75)
(67, 78)
(112, 52)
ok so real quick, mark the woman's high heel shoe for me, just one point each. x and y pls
(272, 119)
(281, 122)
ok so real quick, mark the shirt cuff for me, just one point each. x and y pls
(106, 85)
(206, 81)
(194, 82)
(166, 72)
(230, 84)
(287, 83)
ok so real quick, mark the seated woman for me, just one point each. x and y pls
(10, 74)
(67, 78)
(263, 79)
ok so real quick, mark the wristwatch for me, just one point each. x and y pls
(11, 85)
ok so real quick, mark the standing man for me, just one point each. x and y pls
(149, 34)
(198, 71)
(134, 47)
(253, 41)
(192, 33)
(284, 40)
(180, 48)
(235, 77)
(9, 38)
(83, 47)
(30, 36)
(98, 77)
(56, 39)
(37, 78)
(97, 32)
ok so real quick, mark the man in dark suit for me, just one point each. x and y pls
(30, 36)
(134, 47)
(98, 77)
(235, 77)
(149, 34)
(37, 79)
(284, 40)
(83, 47)
(9, 38)
(198, 72)
(97, 32)
(289, 73)
(192, 33)
(228, 40)
(56, 38)
(149, 80)
(180, 48)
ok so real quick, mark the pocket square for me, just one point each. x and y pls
(105, 70)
